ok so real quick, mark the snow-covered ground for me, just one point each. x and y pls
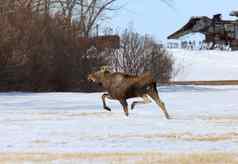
(203, 119)
(205, 65)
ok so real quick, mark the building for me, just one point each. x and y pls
(100, 42)
(216, 30)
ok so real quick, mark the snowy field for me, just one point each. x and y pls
(204, 119)
(205, 65)
(73, 128)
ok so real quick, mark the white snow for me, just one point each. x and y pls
(75, 122)
(204, 118)
(205, 65)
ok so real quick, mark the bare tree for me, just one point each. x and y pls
(87, 12)
(131, 56)
(93, 11)
(139, 54)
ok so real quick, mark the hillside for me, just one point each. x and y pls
(205, 65)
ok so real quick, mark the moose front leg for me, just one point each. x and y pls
(104, 96)
(125, 107)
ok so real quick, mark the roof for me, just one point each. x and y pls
(194, 25)
(234, 13)
(187, 28)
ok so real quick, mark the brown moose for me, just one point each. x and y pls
(121, 86)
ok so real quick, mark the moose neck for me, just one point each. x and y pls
(104, 79)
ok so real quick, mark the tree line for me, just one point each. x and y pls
(40, 49)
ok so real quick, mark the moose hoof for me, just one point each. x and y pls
(167, 117)
(132, 106)
(108, 109)
(127, 114)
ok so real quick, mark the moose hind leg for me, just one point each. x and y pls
(155, 96)
(125, 107)
(104, 96)
(146, 100)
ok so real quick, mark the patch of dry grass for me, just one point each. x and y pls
(195, 158)
(184, 136)
(216, 137)
(228, 120)
(119, 158)
(69, 114)
(210, 82)
(40, 142)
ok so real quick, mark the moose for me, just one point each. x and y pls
(122, 86)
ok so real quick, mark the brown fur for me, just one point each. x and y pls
(121, 86)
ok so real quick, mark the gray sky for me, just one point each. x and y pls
(158, 19)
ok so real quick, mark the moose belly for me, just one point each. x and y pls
(130, 92)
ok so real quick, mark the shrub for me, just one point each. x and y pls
(140, 54)
(37, 53)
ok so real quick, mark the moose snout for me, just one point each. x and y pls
(90, 78)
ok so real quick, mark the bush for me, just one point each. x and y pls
(160, 63)
(37, 53)
(140, 54)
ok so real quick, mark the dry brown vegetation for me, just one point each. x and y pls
(228, 120)
(211, 82)
(139, 158)
(184, 136)
(41, 50)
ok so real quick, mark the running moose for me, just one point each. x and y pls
(121, 86)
